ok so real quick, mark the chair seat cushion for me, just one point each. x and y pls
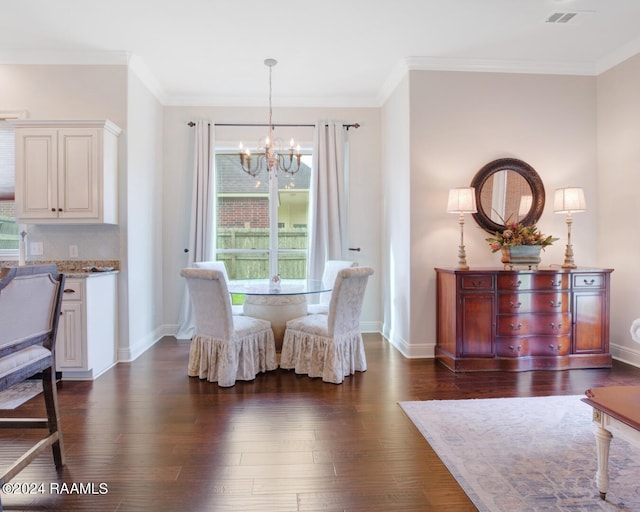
(22, 359)
(318, 309)
(312, 324)
(246, 325)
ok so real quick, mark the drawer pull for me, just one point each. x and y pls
(553, 326)
(69, 290)
(511, 347)
(515, 284)
(515, 305)
(555, 304)
(589, 282)
(515, 327)
(478, 284)
(557, 349)
(555, 283)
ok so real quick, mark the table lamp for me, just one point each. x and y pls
(569, 200)
(462, 200)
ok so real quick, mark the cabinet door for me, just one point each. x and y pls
(69, 340)
(78, 173)
(477, 316)
(591, 328)
(36, 173)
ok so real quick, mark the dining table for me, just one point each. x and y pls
(279, 301)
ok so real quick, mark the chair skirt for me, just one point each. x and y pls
(331, 358)
(225, 362)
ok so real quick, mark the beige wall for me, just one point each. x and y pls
(617, 198)
(459, 122)
(396, 221)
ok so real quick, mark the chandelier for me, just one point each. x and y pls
(270, 150)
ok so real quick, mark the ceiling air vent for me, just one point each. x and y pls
(561, 17)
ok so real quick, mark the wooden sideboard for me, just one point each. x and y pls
(517, 320)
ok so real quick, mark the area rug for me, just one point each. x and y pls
(527, 454)
(19, 393)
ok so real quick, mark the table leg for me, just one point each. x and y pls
(603, 441)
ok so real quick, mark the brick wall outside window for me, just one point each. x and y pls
(243, 212)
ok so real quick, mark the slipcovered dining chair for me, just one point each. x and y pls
(30, 299)
(225, 347)
(329, 274)
(236, 309)
(330, 346)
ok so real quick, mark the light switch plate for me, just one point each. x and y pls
(35, 248)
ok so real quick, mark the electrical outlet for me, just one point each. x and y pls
(73, 251)
(35, 248)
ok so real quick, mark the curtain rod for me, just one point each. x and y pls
(347, 126)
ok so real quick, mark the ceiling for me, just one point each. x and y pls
(330, 52)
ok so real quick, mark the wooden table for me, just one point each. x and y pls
(616, 410)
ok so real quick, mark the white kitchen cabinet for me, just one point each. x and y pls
(66, 172)
(86, 342)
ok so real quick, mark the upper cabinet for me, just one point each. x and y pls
(66, 172)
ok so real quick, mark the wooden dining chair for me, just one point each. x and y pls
(30, 299)
(330, 346)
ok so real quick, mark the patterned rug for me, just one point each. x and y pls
(19, 393)
(527, 454)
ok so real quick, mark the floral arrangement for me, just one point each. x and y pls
(518, 234)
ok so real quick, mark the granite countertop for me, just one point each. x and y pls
(78, 268)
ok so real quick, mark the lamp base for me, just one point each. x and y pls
(568, 258)
(462, 259)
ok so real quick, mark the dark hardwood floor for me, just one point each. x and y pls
(161, 441)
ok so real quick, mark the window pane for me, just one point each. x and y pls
(293, 214)
(242, 219)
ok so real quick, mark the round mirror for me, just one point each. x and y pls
(507, 190)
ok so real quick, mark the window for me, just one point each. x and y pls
(249, 243)
(8, 226)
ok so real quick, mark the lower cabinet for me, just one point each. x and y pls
(86, 342)
(493, 319)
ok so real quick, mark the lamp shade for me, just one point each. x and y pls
(569, 200)
(462, 200)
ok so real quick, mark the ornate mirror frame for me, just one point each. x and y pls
(532, 178)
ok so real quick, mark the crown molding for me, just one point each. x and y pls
(140, 69)
(57, 57)
(501, 66)
(623, 53)
(480, 65)
(283, 101)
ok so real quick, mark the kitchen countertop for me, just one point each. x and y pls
(77, 268)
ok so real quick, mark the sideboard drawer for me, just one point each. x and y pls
(523, 325)
(588, 281)
(512, 346)
(531, 302)
(546, 281)
(550, 345)
(477, 282)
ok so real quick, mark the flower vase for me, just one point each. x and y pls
(521, 255)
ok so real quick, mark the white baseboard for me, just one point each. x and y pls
(140, 347)
(411, 351)
(626, 355)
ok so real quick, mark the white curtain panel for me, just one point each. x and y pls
(328, 197)
(201, 228)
